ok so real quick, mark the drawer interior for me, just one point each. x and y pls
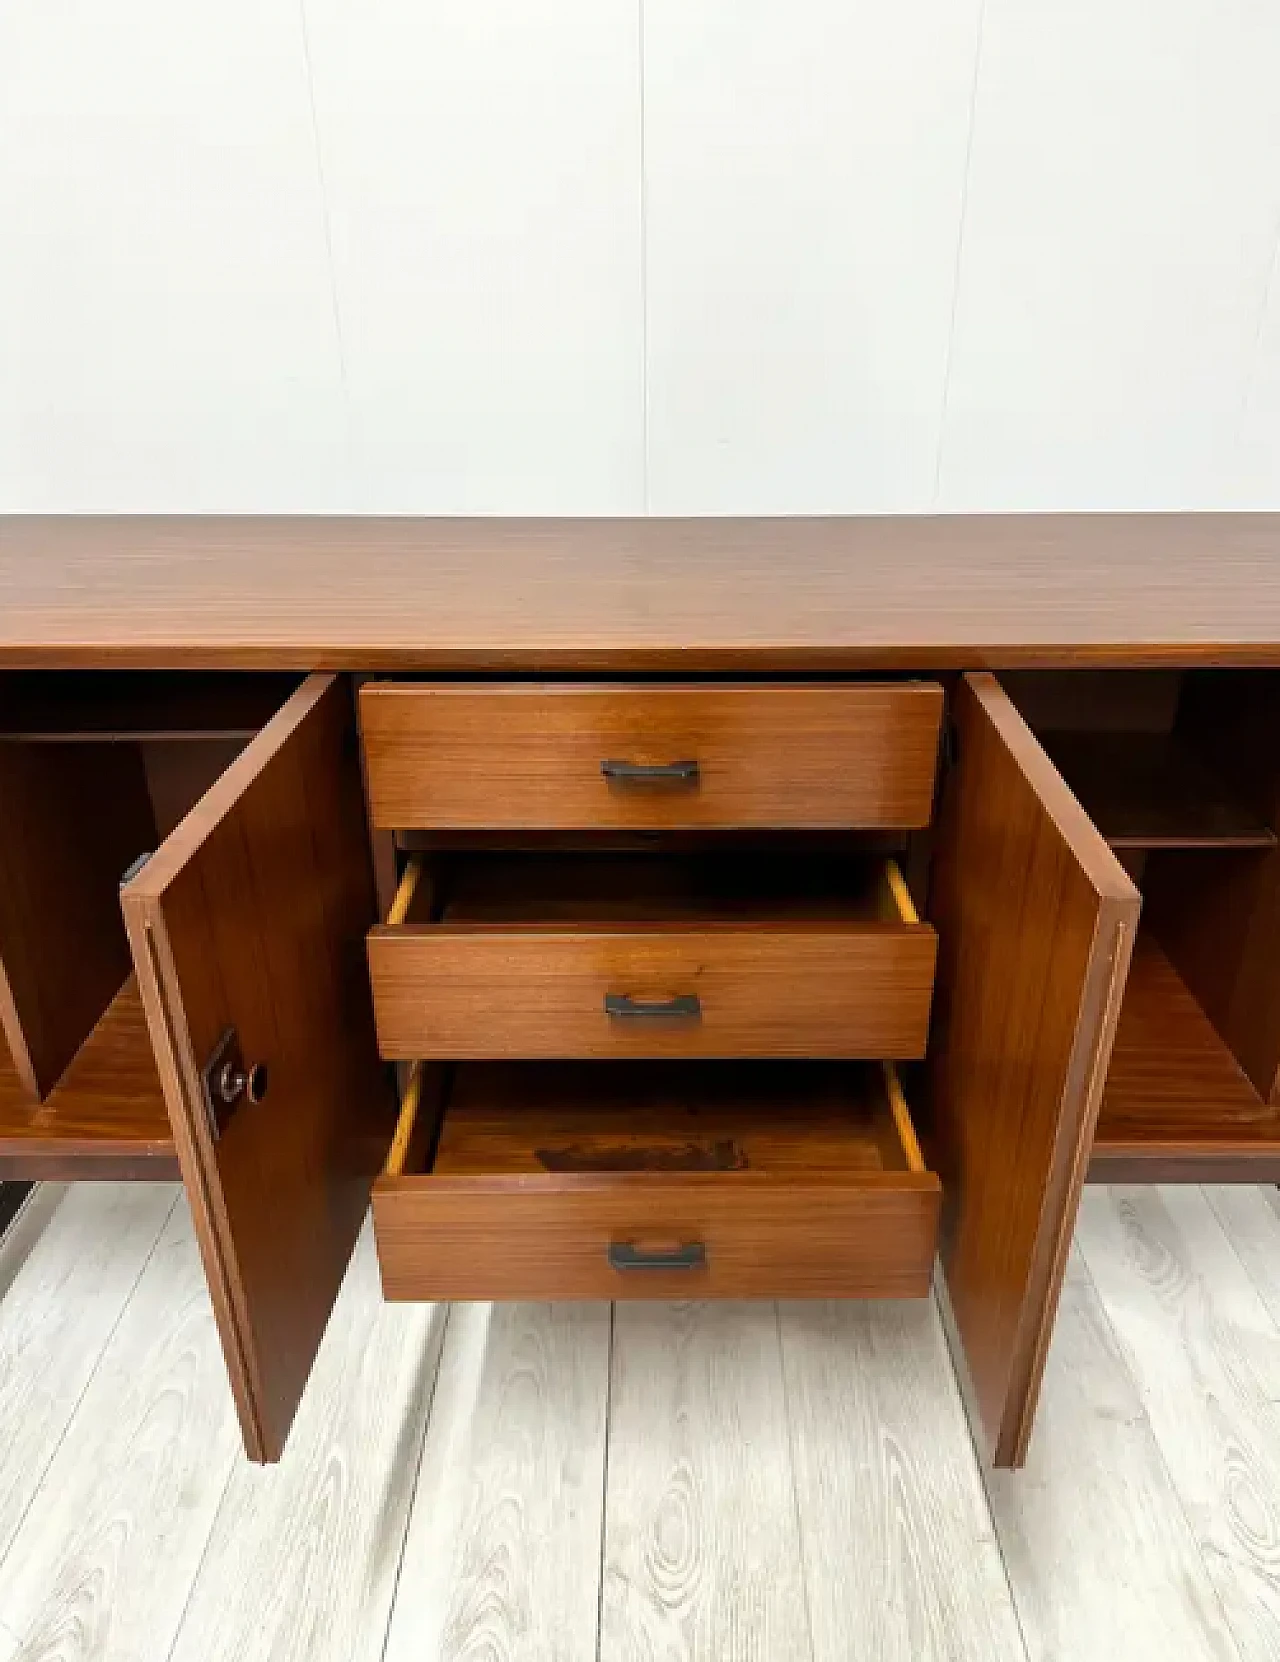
(656, 1180)
(705, 886)
(490, 1118)
(476, 1119)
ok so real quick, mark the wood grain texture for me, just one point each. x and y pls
(502, 1556)
(786, 956)
(1177, 1106)
(686, 595)
(1100, 1555)
(106, 1117)
(63, 952)
(520, 1238)
(1250, 1218)
(799, 1227)
(820, 990)
(1206, 1357)
(103, 1562)
(61, 1302)
(895, 1535)
(1036, 920)
(530, 755)
(701, 1550)
(776, 1117)
(303, 1557)
(252, 915)
(827, 1206)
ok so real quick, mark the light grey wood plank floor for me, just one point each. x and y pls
(304, 1556)
(502, 1559)
(103, 1561)
(702, 1541)
(1094, 1534)
(61, 1302)
(660, 1481)
(888, 1490)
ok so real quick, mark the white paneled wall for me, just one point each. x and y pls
(1120, 225)
(166, 320)
(482, 168)
(603, 256)
(1256, 483)
(804, 169)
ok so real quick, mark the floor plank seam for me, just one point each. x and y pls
(795, 1492)
(412, 1498)
(965, 1419)
(1140, 1397)
(604, 1486)
(181, 1622)
(38, 1488)
(1249, 1275)
(24, 1232)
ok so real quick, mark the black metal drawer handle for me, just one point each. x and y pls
(624, 1256)
(651, 773)
(684, 1006)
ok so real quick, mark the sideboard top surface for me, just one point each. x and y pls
(624, 595)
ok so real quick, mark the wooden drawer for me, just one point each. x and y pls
(564, 756)
(661, 1180)
(613, 956)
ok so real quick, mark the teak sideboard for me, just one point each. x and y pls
(668, 909)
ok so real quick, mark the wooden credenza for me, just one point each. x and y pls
(640, 909)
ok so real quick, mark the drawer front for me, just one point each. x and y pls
(606, 1237)
(564, 757)
(821, 990)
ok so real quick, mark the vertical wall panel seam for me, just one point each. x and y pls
(979, 32)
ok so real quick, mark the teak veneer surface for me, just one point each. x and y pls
(1035, 920)
(618, 594)
(844, 1223)
(530, 755)
(1176, 1098)
(106, 1116)
(252, 916)
(786, 960)
(667, 1116)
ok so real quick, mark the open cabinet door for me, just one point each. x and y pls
(1036, 920)
(247, 929)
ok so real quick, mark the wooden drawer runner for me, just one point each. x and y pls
(685, 756)
(616, 956)
(661, 1180)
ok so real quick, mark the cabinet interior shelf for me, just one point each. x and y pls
(1177, 1105)
(106, 1116)
(99, 706)
(1149, 790)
